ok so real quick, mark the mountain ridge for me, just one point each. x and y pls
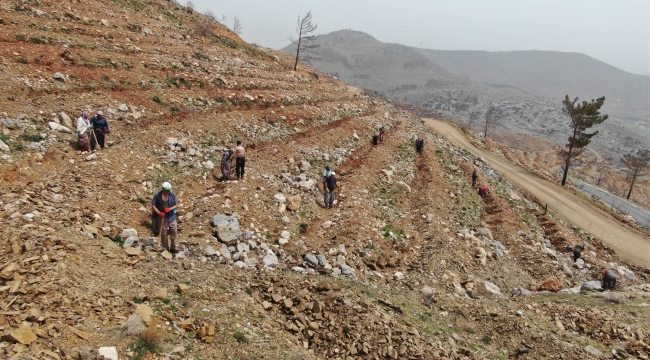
(458, 83)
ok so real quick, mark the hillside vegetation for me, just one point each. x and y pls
(409, 264)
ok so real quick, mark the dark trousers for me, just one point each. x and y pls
(100, 139)
(576, 255)
(473, 181)
(240, 163)
(609, 283)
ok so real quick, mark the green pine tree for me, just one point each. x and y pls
(583, 117)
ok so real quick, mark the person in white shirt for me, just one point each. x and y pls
(83, 133)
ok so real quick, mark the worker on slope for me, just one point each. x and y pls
(83, 131)
(163, 205)
(609, 279)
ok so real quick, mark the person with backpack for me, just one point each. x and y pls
(83, 133)
(375, 139)
(101, 129)
(240, 160)
(329, 187)
(226, 158)
(163, 205)
(419, 145)
(382, 133)
(609, 279)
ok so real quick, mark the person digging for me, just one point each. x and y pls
(474, 178)
(225, 164)
(609, 279)
(483, 191)
(164, 204)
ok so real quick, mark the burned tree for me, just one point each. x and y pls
(583, 117)
(236, 26)
(490, 115)
(637, 165)
(305, 43)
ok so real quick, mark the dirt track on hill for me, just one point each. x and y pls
(574, 209)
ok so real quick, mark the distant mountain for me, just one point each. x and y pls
(526, 87)
(551, 74)
(363, 61)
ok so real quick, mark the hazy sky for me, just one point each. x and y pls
(614, 31)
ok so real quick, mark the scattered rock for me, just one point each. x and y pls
(294, 203)
(127, 233)
(403, 186)
(109, 353)
(144, 312)
(591, 286)
(183, 289)
(346, 270)
(23, 334)
(593, 351)
(226, 229)
(487, 288)
(311, 259)
(521, 292)
(271, 260)
(65, 119)
(210, 251)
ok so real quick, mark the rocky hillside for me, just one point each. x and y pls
(525, 87)
(409, 264)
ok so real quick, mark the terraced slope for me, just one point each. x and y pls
(405, 265)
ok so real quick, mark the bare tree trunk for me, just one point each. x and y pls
(631, 185)
(295, 64)
(566, 166)
(486, 126)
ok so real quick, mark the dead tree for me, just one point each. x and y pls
(490, 115)
(189, 6)
(236, 26)
(637, 165)
(305, 43)
(472, 118)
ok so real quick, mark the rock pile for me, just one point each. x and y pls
(328, 319)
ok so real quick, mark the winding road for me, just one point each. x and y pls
(641, 217)
(628, 242)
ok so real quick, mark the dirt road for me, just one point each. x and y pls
(627, 242)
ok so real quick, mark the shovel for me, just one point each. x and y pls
(162, 223)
